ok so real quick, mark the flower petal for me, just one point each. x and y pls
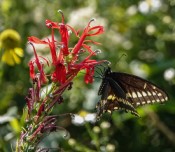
(51, 24)
(36, 40)
(32, 70)
(7, 58)
(88, 78)
(15, 57)
(98, 30)
(19, 52)
(64, 39)
(59, 75)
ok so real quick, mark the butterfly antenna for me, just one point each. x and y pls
(121, 57)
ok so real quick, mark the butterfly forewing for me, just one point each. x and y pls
(138, 90)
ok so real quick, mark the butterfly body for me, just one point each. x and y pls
(126, 92)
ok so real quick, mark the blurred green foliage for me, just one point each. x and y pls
(143, 30)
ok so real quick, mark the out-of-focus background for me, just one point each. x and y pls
(144, 30)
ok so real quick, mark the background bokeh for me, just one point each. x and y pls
(144, 30)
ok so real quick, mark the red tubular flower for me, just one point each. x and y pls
(51, 24)
(63, 33)
(53, 48)
(88, 65)
(59, 75)
(64, 66)
(50, 43)
(89, 75)
(98, 30)
(32, 70)
(64, 39)
(39, 66)
(64, 36)
(34, 39)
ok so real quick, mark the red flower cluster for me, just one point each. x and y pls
(65, 65)
(65, 60)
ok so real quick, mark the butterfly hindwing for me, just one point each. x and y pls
(111, 102)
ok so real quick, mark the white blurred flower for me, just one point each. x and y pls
(167, 19)
(143, 7)
(78, 120)
(71, 142)
(169, 74)
(147, 6)
(90, 117)
(132, 10)
(150, 29)
(84, 15)
(96, 129)
(82, 117)
(105, 125)
(110, 148)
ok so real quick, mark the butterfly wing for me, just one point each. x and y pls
(112, 99)
(126, 91)
(139, 91)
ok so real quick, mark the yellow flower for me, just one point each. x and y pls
(9, 45)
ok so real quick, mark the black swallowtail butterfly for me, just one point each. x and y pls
(125, 91)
